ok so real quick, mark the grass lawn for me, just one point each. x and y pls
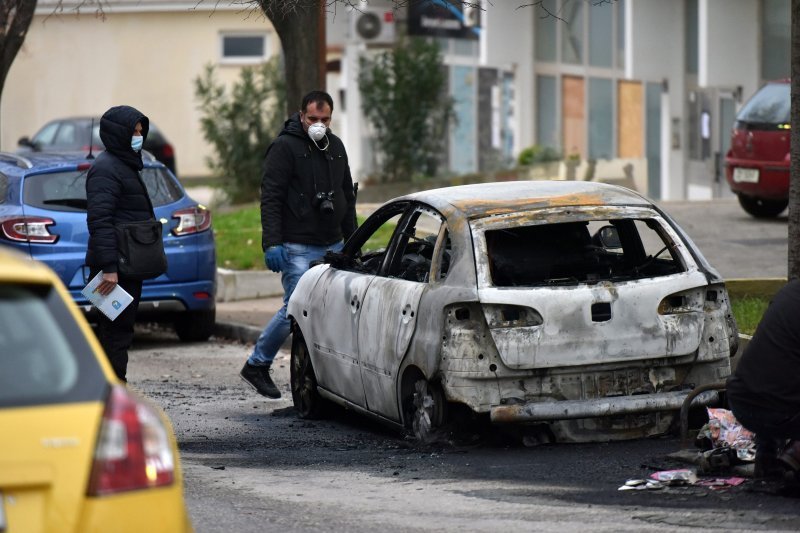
(238, 236)
(748, 312)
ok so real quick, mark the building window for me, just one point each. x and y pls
(601, 118)
(692, 30)
(601, 36)
(546, 31)
(572, 34)
(546, 112)
(775, 39)
(620, 33)
(243, 48)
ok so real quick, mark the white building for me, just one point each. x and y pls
(652, 80)
(656, 81)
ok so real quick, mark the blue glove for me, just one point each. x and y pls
(276, 257)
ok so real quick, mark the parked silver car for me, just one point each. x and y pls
(578, 307)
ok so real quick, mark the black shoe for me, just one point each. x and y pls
(258, 378)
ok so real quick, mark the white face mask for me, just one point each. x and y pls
(317, 131)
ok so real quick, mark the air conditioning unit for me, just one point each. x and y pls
(373, 25)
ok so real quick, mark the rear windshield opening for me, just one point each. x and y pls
(66, 191)
(580, 252)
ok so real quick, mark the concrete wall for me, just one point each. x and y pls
(82, 65)
(655, 52)
(507, 42)
(728, 39)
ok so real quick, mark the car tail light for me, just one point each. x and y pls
(28, 229)
(511, 316)
(167, 151)
(133, 448)
(690, 301)
(192, 220)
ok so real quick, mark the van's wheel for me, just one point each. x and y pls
(195, 326)
(430, 411)
(305, 396)
(761, 207)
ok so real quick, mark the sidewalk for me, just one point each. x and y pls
(243, 320)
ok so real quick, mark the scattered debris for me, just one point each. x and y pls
(724, 431)
(642, 484)
(675, 477)
(721, 483)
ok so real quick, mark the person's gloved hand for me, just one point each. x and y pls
(276, 257)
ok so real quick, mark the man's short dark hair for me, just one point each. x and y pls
(318, 98)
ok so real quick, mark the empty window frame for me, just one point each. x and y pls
(243, 48)
(572, 253)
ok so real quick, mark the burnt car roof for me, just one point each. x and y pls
(488, 199)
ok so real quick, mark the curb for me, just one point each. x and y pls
(235, 331)
(234, 285)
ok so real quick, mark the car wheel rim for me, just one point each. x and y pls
(428, 411)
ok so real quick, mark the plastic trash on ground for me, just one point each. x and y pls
(724, 431)
(675, 477)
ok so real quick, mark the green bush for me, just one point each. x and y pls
(404, 98)
(240, 123)
(538, 154)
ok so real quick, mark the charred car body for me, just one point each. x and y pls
(576, 306)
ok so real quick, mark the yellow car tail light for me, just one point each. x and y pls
(133, 448)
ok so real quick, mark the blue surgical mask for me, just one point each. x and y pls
(136, 143)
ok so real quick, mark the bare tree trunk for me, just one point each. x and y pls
(794, 180)
(15, 19)
(300, 27)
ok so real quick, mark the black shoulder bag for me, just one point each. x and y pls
(141, 247)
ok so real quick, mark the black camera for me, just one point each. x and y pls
(324, 202)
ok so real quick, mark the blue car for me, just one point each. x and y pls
(43, 214)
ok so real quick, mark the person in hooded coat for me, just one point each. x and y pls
(115, 193)
(307, 208)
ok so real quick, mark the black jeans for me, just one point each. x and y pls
(116, 336)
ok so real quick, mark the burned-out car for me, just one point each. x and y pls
(577, 307)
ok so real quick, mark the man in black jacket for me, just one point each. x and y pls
(307, 208)
(764, 392)
(115, 193)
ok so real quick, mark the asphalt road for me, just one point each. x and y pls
(736, 244)
(251, 465)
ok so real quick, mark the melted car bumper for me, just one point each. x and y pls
(600, 407)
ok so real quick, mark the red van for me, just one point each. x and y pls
(757, 165)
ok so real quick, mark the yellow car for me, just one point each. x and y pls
(79, 451)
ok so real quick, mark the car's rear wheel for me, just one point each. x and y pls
(430, 411)
(195, 326)
(305, 396)
(762, 208)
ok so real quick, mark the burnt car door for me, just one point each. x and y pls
(340, 293)
(390, 315)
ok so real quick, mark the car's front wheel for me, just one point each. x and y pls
(761, 207)
(305, 396)
(195, 326)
